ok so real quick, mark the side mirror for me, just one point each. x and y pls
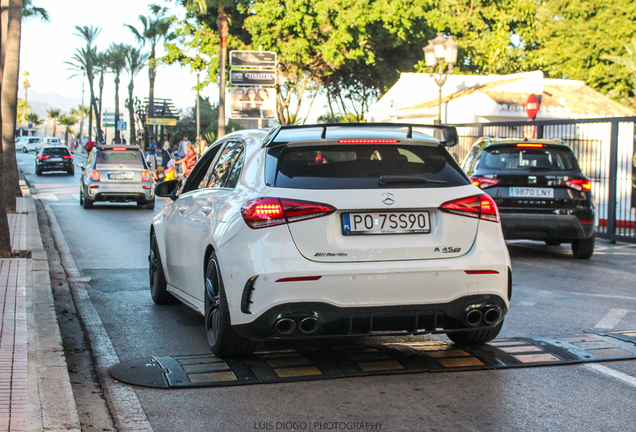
(80, 164)
(168, 189)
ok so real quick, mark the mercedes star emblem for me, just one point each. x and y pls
(388, 198)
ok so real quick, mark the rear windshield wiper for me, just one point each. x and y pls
(392, 179)
(535, 168)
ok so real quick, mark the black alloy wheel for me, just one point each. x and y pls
(158, 285)
(222, 339)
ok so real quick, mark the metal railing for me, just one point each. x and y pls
(606, 151)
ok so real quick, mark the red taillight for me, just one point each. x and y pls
(476, 206)
(483, 182)
(581, 185)
(67, 157)
(531, 145)
(368, 141)
(95, 175)
(145, 176)
(43, 157)
(266, 212)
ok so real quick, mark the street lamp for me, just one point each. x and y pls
(439, 51)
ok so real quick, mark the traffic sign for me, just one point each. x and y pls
(253, 58)
(252, 77)
(532, 106)
(121, 125)
(161, 121)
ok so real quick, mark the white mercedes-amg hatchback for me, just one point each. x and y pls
(331, 230)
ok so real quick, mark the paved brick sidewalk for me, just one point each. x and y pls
(13, 333)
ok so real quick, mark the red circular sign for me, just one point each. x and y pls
(532, 106)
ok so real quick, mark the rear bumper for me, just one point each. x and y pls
(333, 321)
(545, 227)
(118, 192)
(57, 166)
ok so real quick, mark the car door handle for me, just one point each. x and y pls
(206, 210)
(182, 210)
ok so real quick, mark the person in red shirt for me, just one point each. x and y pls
(188, 162)
(89, 145)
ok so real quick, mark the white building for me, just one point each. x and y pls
(474, 98)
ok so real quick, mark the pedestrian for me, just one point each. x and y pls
(89, 145)
(152, 153)
(188, 161)
(183, 149)
(165, 154)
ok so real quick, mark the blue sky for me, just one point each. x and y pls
(46, 46)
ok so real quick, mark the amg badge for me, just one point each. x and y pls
(330, 254)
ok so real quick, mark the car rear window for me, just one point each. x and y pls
(360, 166)
(55, 152)
(520, 158)
(118, 157)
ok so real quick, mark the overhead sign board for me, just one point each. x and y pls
(253, 58)
(161, 121)
(253, 77)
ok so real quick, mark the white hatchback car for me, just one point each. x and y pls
(27, 144)
(331, 230)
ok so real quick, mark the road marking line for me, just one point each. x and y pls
(612, 318)
(76, 196)
(48, 197)
(627, 379)
(527, 303)
(606, 296)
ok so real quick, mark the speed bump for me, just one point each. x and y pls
(304, 364)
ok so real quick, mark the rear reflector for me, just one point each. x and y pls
(299, 279)
(476, 206)
(531, 145)
(93, 187)
(586, 221)
(474, 272)
(581, 185)
(266, 212)
(368, 141)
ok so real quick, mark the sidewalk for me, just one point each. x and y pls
(35, 391)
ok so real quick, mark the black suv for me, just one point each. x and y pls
(539, 189)
(54, 158)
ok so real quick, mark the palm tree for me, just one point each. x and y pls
(116, 57)
(12, 11)
(153, 31)
(53, 115)
(135, 62)
(81, 111)
(100, 66)
(223, 27)
(89, 34)
(33, 119)
(23, 111)
(67, 121)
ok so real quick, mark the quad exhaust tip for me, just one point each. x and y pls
(306, 325)
(485, 315)
(285, 326)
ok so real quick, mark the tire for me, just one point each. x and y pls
(158, 285)
(71, 171)
(474, 337)
(86, 203)
(553, 242)
(148, 205)
(25, 150)
(583, 248)
(81, 198)
(38, 172)
(222, 339)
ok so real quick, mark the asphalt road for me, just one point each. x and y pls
(553, 294)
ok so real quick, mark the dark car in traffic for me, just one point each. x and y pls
(539, 189)
(54, 158)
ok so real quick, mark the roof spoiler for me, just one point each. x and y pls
(446, 134)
